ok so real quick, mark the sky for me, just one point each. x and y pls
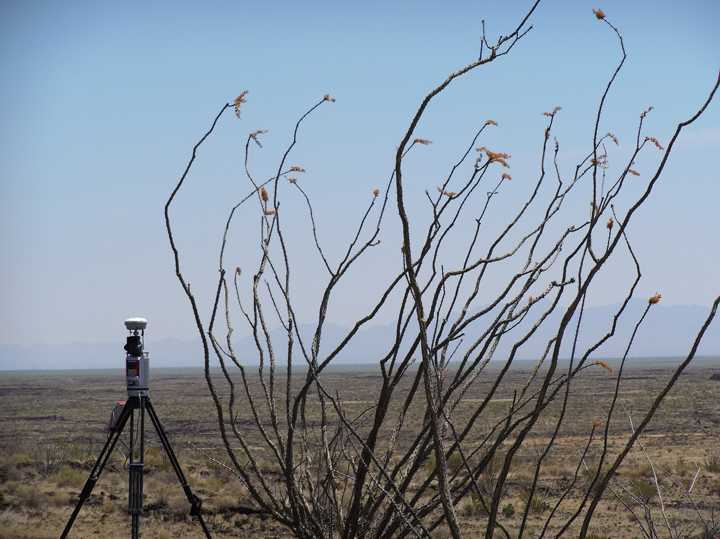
(101, 103)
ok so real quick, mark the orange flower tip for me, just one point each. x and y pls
(506, 176)
(238, 101)
(656, 142)
(604, 365)
(610, 224)
(329, 98)
(497, 157)
(654, 300)
(422, 141)
(296, 168)
(599, 14)
(376, 192)
(490, 122)
(449, 194)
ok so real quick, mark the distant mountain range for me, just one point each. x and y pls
(668, 331)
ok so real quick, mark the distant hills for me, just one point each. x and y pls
(668, 331)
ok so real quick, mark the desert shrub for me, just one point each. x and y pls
(213, 483)
(714, 487)
(9, 472)
(28, 496)
(431, 463)
(48, 457)
(156, 459)
(488, 478)
(473, 507)
(67, 476)
(10, 487)
(538, 503)
(643, 490)
(19, 458)
(225, 503)
(425, 324)
(682, 467)
(61, 499)
(711, 531)
(638, 471)
(108, 506)
(455, 462)
(712, 463)
(508, 510)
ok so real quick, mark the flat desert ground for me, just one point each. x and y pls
(53, 424)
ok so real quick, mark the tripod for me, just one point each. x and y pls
(140, 404)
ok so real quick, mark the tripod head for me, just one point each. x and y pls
(137, 367)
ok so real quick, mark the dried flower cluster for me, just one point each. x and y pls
(601, 161)
(255, 134)
(655, 142)
(490, 122)
(645, 112)
(655, 299)
(264, 194)
(497, 157)
(599, 14)
(292, 179)
(614, 139)
(329, 98)
(506, 176)
(604, 365)
(422, 141)
(553, 112)
(633, 172)
(376, 192)
(449, 194)
(239, 100)
(610, 224)
(296, 168)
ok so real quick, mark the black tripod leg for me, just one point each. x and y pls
(99, 465)
(195, 502)
(135, 472)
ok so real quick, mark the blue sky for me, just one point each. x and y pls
(102, 101)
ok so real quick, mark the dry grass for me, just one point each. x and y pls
(46, 456)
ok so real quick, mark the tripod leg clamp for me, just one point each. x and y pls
(88, 488)
(195, 503)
